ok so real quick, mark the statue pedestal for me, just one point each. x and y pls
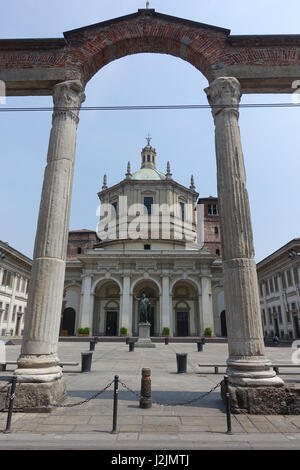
(144, 340)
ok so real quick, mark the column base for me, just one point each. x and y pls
(259, 400)
(253, 371)
(35, 397)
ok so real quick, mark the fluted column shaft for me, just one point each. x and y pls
(247, 363)
(38, 360)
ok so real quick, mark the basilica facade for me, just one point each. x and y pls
(155, 236)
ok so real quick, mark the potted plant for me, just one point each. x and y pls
(123, 331)
(208, 332)
(166, 331)
(83, 331)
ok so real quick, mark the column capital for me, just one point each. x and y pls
(67, 98)
(226, 92)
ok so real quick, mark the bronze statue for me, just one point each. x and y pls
(145, 307)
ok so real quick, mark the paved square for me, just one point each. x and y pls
(198, 425)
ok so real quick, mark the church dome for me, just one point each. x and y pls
(148, 174)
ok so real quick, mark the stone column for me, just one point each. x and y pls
(86, 302)
(126, 305)
(207, 312)
(165, 303)
(247, 363)
(38, 361)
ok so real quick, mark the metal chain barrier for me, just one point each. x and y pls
(70, 405)
(188, 402)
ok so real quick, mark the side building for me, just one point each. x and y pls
(15, 270)
(279, 288)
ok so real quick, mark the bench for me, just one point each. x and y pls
(62, 364)
(275, 366)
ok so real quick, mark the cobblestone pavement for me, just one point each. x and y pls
(199, 425)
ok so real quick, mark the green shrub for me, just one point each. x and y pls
(208, 332)
(166, 331)
(83, 331)
(123, 330)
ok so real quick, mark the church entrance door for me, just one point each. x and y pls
(182, 324)
(68, 321)
(111, 323)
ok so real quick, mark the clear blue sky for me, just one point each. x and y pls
(107, 140)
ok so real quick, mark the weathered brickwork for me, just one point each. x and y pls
(79, 241)
(84, 51)
(212, 230)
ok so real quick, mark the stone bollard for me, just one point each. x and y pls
(131, 345)
(200, 345)
(145, 400)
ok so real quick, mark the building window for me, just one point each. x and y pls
(3, 332)
(270, 316)
(147, 247)
(6, 311)
(7, 279)
(216, 230)
(148, 158)
(11, 332)
(293, 307)
(267, 287)
(18, 284)
(14, 313)
(288, 316)
(209, 210)
(264, 316)
(215, 209)
(182, 210)
(261, 289)
(279, 313)
(289, 277)
(276, 284)
(218, 252)
(79, 251)
(148, 201)
(271, 285)
(296, 276)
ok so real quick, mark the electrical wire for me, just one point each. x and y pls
(153, 107)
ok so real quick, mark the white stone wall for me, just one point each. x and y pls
(15, 297)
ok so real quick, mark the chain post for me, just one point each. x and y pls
(145, 400)
(11, 404)
(115, 411)
(228, 411)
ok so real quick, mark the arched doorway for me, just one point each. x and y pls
(106, 309)
(68, 322)
(223, 323)
(151, 290)
(185, 309)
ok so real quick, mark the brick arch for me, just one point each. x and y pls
(146, 31)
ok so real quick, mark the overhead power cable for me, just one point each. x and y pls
(148, 107)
